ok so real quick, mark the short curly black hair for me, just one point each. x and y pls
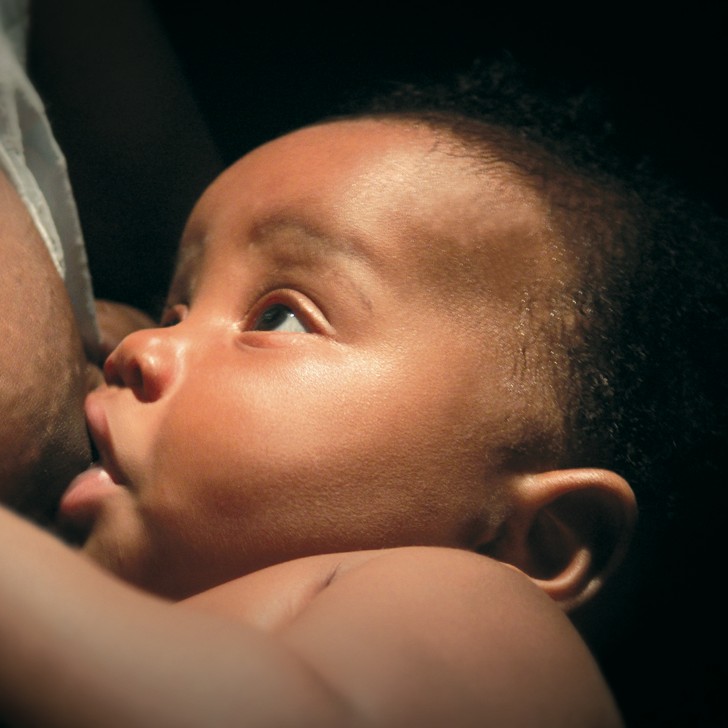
(644, 391)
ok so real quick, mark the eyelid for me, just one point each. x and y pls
(303, 307)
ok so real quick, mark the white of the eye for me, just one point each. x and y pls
(291, 324)
(279, 317)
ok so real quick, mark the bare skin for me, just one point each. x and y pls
(400, 637)
(43, 371)
(297, 488)
(361, 234)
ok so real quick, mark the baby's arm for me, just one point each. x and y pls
(404, 637)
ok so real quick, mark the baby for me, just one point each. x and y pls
(354, 478)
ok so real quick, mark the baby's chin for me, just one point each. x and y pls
(111, 535)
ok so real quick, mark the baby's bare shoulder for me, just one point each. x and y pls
(274, 596)
(440, 632)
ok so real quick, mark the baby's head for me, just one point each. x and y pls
(383, 330)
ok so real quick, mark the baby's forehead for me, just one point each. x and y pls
(473, 222)
(413, 196)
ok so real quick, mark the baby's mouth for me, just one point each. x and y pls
(85, 496)
(102, 445)
(73, 532)
(81, 504)
(95, 454)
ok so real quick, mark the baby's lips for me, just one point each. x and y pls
(80, 504)
(80, 499)
(84, 498)
(98, 428)
(96, 421)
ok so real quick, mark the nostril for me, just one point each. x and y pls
(133, 376)
(144, 362)
(124, 373)
(111, 373)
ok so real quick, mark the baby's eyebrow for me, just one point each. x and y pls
(304, 239)
(293, 241)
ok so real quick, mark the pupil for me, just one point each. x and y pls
(273, 317)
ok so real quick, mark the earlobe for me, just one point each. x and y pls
(567, 531)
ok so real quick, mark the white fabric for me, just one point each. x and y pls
(35, 165)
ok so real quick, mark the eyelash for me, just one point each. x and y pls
(282, 300)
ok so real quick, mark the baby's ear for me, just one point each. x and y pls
(567, 531)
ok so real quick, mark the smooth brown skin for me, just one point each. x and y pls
(43, 374)
(390, 417)
(240, 448)
(402, 637)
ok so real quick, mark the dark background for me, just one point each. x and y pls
(151, 100)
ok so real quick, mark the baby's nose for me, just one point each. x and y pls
(146, 362)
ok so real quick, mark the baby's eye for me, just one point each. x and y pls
(279, 318)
